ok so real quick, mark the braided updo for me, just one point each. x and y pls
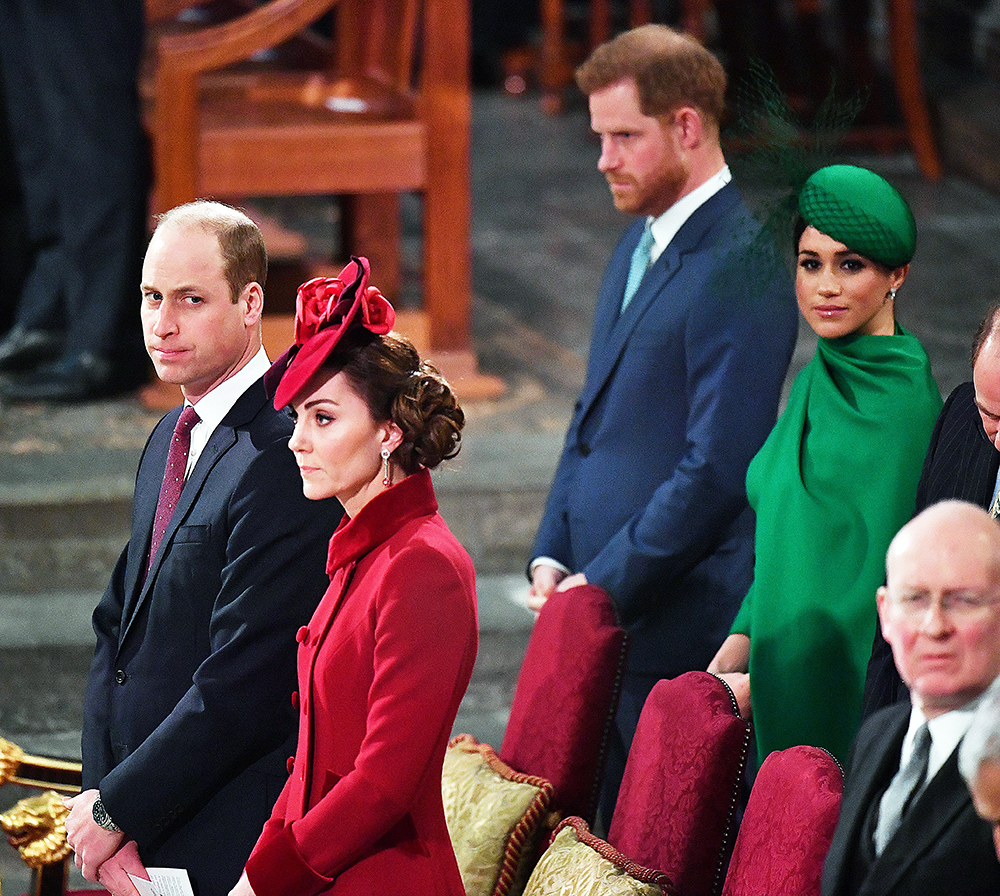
(386, 371)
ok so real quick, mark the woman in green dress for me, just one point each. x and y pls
(837, 477)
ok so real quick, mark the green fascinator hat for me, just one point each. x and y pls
(863, 211)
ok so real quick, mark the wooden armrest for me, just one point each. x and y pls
(238, 39)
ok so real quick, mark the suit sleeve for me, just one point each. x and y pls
(420, 672)
(237, 708)
(737, 345)
(96, 744)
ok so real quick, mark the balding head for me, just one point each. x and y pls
(939, 610)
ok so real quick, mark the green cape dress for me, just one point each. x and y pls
(831, 486)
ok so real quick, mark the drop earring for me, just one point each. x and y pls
(386, 476)
(891, 294)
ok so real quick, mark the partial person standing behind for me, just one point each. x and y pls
(187, 721)
(836, 478)
(69, 71)
(694, 328)
(963, 461)
(979, 760)
(907, 824)
(386, 658)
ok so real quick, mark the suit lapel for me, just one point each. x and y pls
(147, 493)
(933, 812)
(867, 779)
(613, 331)
(221, 440)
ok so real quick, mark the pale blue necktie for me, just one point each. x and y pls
(638, 266)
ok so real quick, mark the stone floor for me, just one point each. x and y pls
(543, 227)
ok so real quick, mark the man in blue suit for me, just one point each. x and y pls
(694, 328)
(188, 721)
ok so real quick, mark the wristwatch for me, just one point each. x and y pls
(102, 818)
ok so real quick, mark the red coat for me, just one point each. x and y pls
(383, 666)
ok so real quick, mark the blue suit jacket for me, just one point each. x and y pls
(649, 498)
(188, 722)
(941, 846)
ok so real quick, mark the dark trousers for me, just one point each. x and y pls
(69, 70)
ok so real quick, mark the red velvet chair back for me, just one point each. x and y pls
(677, 802)
(788, 825)
(565, 698)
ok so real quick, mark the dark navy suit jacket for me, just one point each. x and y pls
(960, 463)
(188, 722)
(649, 498)
(941, 846)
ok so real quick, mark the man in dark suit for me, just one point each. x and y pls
(693, 332)
(69, 72)
(907, 824)
(962, 462)
(188, 721)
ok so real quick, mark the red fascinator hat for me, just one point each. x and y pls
(325, 309)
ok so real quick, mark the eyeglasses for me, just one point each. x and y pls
(957, 604)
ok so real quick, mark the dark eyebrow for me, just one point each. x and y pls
(316, 401)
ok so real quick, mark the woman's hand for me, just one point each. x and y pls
(733, 655)
(739, 684)
(242, 887)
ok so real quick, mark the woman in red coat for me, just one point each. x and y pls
(386, 658)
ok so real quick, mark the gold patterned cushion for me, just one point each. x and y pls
(496, 817)
(577, 862)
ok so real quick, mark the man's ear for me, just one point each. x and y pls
(881, 600)
(690, 126)
(253, 295)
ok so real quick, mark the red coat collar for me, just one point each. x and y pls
(381, 518)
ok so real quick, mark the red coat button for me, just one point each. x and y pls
(290, 764)
(295, 699)
(302, 634)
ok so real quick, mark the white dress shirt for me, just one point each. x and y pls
(214, 405)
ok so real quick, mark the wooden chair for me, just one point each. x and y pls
(36, 826)
(389, 112)
(904, 41)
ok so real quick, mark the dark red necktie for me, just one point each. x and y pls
(173, 478)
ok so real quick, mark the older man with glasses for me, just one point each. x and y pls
(907, 823)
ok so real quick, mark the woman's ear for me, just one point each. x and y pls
(898, 275)
(392, 436)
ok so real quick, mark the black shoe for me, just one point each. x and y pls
(23, 348)
(81, 377)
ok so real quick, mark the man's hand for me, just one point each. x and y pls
(92, 844)
(543, 582)
(113, 875)
(573, 581)
(243, 887)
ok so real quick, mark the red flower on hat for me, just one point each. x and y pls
(327, 308)
(318, 304)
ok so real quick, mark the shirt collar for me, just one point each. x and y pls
(947, 731)
(665, 227)
(213, 406)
